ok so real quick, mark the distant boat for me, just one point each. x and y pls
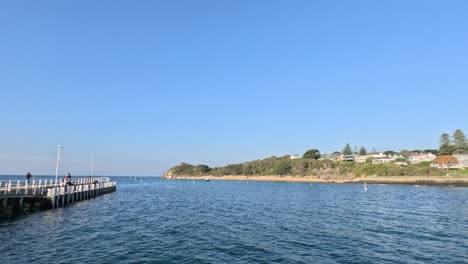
(365, 186)
(207, 179)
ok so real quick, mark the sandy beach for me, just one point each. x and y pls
(415, 180)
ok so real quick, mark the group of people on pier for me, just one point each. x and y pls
(67, 178)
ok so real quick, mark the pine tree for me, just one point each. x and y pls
(362, 151)
(459, 141)
(444, 140)
(445, 148)
(347, 150)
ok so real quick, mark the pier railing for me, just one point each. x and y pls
(43, 187)
(58, 193)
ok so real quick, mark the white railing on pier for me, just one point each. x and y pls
(51, 187)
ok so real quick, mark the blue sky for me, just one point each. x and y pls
(146, 85)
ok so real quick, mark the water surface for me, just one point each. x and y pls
(162, 221)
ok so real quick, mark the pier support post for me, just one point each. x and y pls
(54, 197)
(17, 187)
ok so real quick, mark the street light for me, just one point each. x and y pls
(92, 165)
(60, 147)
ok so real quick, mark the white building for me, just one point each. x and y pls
(335, 157)
(364, 158)
(382, 160)
(377, 158)
(294, 157)
(462, 161)
(373, 156)
(415, 158)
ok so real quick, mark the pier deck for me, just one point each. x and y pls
(21, 195)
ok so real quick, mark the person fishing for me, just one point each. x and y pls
(68, 179)
(28, 176)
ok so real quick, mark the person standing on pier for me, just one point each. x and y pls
(68, 179)
(28, 176)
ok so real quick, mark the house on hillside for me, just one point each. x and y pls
(377, 158)
(396, 156)
(294, 157)
(373, 156)
(462, 161)
(382, 160)
(335, 157)
(416, 157)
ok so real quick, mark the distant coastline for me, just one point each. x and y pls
(286, 169)
(446, 166)
(409, 180)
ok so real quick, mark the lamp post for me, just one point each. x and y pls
(92, 164)
(60, 147)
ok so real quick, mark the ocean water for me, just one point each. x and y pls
(164, 221)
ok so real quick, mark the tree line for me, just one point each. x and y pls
(455, 144)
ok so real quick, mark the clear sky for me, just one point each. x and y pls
(145, 85)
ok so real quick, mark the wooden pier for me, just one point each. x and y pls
(17, 196)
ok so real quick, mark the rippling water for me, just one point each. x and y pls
(161, 221)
